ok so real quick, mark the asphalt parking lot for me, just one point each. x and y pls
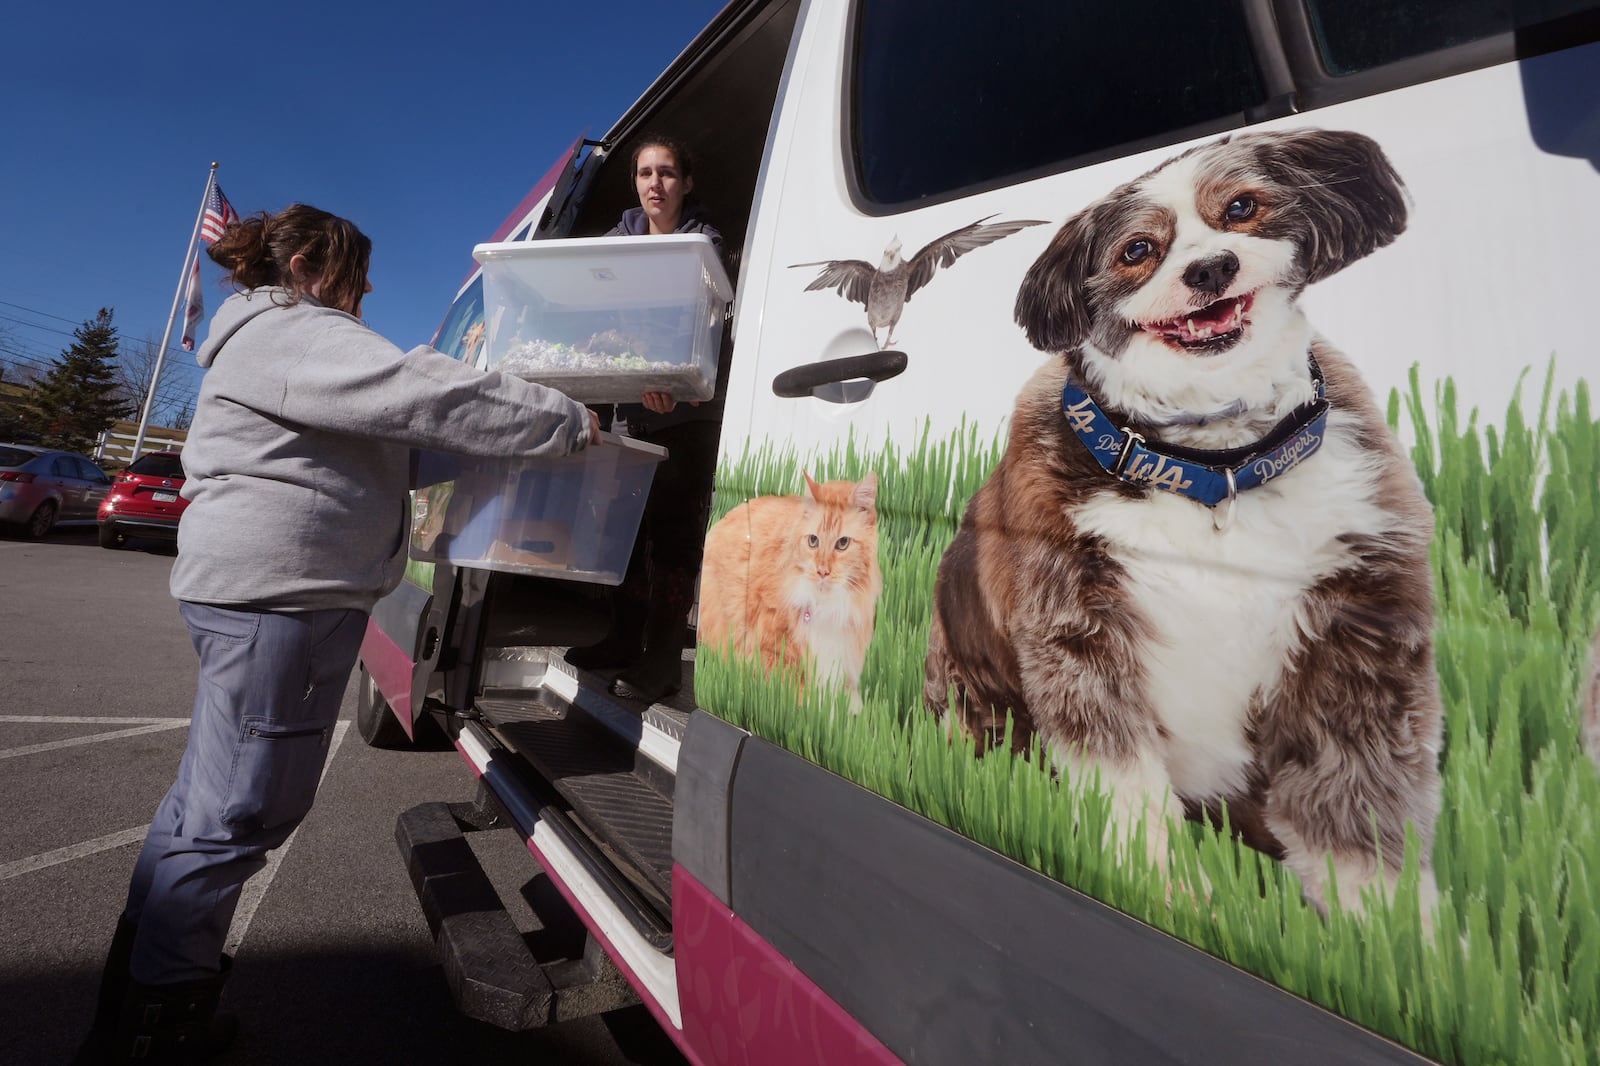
(334, 961)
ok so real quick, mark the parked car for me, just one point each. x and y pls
(144, 501)
(41, 488)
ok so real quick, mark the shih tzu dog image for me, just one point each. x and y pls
(1201, 566)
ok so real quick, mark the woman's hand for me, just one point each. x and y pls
(660, 402)
(594, 426)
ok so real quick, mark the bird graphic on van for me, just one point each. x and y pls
(885, 289)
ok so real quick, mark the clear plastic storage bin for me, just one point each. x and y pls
(606, 320)
(573, 517)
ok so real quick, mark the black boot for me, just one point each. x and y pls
(113, 990)
(172, 1023)
(624, 641)
(659, 673)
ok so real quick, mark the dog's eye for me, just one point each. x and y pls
(811, 541)
(1138, 249)
(1240, 208)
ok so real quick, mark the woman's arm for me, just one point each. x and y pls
(351, 380)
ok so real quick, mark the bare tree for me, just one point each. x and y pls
(11, 369)
(17, 377)
(175, 393)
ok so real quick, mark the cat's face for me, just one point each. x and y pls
(835, 543)
(830, 545)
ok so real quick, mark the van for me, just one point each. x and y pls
(988, 262)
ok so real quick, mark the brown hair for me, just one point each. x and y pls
(255, 251)
(680, 153)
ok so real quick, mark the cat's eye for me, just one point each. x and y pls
(841, 544)
(812, 541)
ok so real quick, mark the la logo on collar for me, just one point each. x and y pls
(1208, 477)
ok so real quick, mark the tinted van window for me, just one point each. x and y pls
(461, 336)
(954, 95)
(1356, 35)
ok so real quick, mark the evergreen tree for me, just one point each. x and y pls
(79, 398)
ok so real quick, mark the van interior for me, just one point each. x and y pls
(718, 99)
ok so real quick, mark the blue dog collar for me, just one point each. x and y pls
(1209, 477)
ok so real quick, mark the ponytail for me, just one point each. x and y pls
(255, 251)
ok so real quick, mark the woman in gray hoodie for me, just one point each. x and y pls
(298, 465)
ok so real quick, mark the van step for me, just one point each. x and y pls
(492, 974)
(616, 798)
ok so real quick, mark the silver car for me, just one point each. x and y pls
(41, 488)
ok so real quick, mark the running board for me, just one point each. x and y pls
(632, 932)
(620, 802)
(492, 974)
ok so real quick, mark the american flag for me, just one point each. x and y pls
(218, 213)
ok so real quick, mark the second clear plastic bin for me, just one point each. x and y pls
(572, 517)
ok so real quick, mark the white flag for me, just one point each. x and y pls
(194, 308)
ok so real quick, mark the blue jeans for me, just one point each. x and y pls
(269, 694)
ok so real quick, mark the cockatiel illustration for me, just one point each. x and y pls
(885, 289)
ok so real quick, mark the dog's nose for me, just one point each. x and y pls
(1213, 274)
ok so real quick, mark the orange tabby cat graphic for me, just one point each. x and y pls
(796, 579)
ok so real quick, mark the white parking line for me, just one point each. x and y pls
(84, 719)
(95, 738)
(255, 889)
(17, 867)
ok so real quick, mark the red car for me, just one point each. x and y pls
(144, 500)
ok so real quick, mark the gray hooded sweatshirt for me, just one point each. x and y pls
(298, 462)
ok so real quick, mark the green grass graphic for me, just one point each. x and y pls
(1512, 970)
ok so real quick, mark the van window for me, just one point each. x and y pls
(457, 337)
(1357, 35)
(954, 96)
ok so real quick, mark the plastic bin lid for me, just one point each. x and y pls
(581, 248)
(633, 443)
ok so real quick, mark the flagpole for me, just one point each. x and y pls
(177, 300)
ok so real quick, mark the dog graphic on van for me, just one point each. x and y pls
(1201, 566)
(885, 289)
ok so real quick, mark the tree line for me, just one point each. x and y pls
(92, 384)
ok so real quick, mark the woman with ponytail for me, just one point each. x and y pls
(298, 464)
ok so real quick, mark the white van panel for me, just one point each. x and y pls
(1484, 197)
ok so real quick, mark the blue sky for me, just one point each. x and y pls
(425, 124)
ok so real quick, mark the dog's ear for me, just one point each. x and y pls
(1052, 304)
(1347, 194)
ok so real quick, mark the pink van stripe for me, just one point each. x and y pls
(744, 1003)
(391, 669)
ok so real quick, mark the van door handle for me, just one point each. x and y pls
(847, 380)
